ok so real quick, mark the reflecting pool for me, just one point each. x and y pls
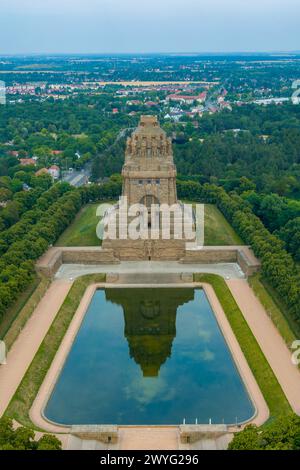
(149, 356)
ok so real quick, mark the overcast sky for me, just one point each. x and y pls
(108, 26)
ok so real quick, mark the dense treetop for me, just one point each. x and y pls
(23, 438)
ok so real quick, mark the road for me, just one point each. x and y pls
(80, 178)
(77, 178)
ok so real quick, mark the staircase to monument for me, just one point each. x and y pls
(153, 438)
(149, 278)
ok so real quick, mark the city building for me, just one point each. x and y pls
(187, 99)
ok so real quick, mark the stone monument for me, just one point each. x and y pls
(149, 178)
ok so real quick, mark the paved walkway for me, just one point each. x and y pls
(269, 339)
(29, 340)
(143, 438)
(227, 270)
(148, 438)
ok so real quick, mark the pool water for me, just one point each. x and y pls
(149, 356)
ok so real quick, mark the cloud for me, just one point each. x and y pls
(146, 390)
(204, 355)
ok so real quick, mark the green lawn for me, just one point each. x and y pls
(271, 389)
(23, 399)
(217, 230)
(82, 232)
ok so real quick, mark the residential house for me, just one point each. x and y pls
(42, 171)
(27, 161)
(54, 171)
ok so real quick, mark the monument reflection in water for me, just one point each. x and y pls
(149, 356)
(150, 323)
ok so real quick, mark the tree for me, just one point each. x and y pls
(23, 438)
(290, 234)
(48, 442)
(246, 185)
(270, 210)
(248, 439)
(281, 434)
(5, 194)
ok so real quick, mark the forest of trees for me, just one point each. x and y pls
(260, 143)
(280, 215)
(254, 151)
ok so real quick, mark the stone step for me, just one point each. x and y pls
(149, 278)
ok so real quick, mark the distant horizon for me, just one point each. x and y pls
(174, 53)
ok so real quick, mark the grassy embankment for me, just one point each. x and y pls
(268, 383)
(277, 311)
(82, 232)
(217, 231)
(17, 315)
(22, 400)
